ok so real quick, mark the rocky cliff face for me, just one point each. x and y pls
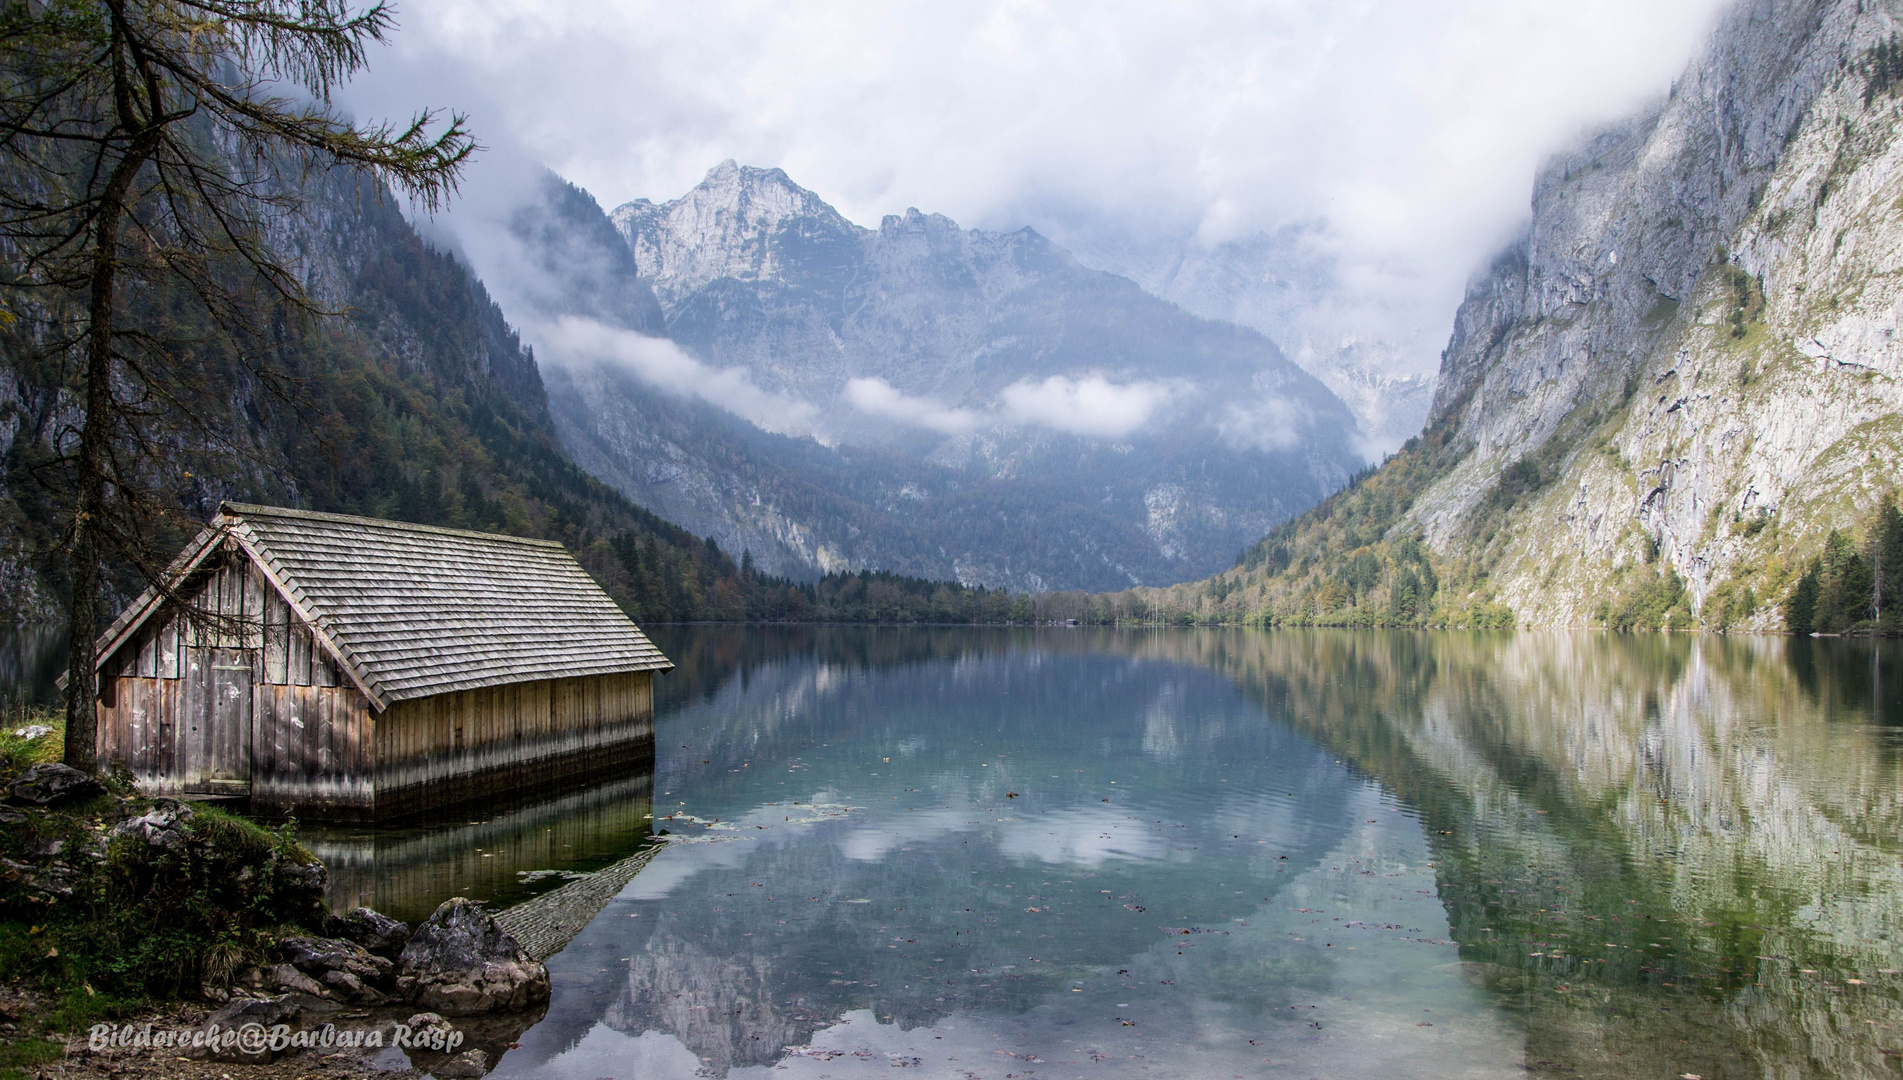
(1690, 363)
(931, 400)
(1657, 406)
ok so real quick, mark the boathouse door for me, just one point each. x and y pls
(215, 715)
(215, 743)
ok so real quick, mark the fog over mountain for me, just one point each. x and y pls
(920, 398)
(1367, 340)
(1330, 174)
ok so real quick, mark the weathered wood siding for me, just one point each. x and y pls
(224, 692)
(438, 750)
(313, 754)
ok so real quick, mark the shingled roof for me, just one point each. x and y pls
(415, 610)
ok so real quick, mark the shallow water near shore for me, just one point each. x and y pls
(1230, 853)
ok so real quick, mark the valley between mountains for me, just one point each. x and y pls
(1672, 402)
(920, 398)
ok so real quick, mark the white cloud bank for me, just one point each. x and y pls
(572, 340)
(1408, 129)
(1092, 406)
(876, 397)
(1269, 424)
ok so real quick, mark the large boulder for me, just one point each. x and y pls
(460, 963)
(345, 969)
(377, 933)
(52, 784)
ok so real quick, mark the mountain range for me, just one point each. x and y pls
(1671, 403)
(918, 398)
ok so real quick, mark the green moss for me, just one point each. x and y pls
(1663, 311)
(1745, 311)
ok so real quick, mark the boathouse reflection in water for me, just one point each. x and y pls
(498, 851)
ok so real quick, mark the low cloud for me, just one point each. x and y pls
(876, 397)
(1408, 130)
(1092, 406)
(1088, 406)
(1267, 424)
(662, 364)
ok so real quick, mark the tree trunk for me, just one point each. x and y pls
(95, 437)
(89, 504)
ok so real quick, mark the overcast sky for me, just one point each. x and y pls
(1410, 127)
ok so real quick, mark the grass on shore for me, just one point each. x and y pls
(28, 1047)
(17, 754)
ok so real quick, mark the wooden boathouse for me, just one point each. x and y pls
(348, 668)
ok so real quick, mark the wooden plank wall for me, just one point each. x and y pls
(439, 750)
(312, 757)
(300, 733)
(313, 752)
(178, 709)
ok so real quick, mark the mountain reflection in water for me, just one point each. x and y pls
(1233, 853)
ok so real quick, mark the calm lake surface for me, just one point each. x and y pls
(1081, 853)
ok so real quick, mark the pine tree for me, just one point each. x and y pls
(1844, 588)
(1405, 598)
(147, 148)
(1800, 609)
(1855, 590)
(1884, 553)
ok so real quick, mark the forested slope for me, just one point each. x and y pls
(415, 401)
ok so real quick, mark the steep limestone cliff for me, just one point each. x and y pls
(1693, 347)
(1677, 384)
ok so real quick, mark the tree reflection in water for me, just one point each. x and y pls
(1604, 855)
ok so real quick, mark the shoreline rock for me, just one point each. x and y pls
(376, 932)
(460, 963)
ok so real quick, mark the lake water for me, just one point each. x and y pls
(1082, 853)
